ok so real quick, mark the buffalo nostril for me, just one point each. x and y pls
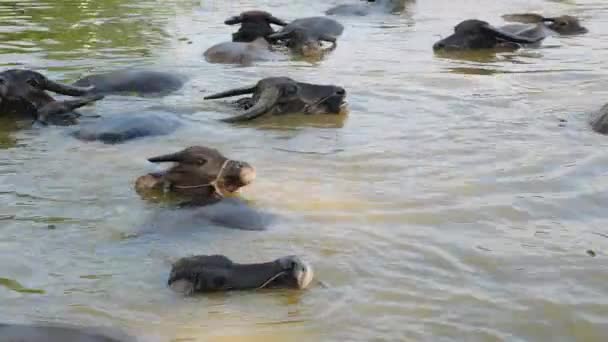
(438, 46)
(341, 91)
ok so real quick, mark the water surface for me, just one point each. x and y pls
(457, 201)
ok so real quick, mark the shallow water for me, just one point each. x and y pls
(457, 201)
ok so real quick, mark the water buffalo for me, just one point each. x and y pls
(241, 53)
(213, 273)
(476, 34)
(538, 27)
(305, 36)
(201, 173)
(254, 25)
(129, 82)
(282, 95)
(23, 95)
(392, 6)
(121, 128)
(56, 333)
(600, 121)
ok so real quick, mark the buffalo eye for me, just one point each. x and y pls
(34, 83)
(201, 161)
(2, 81)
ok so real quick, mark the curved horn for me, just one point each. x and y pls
(177, 157)
(268, 98)
(230, 93)
(276, 21)
(327, 38)
(237, 19)
(526, 18)
(65, 89)
(510, 37)
(280, 35)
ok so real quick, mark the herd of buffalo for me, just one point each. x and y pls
(202, 176)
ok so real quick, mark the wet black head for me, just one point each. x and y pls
(282, 95)
(476, 34)
(199, 171)
(254, 24)
(565, 25)
(27, 90)
(213, 273)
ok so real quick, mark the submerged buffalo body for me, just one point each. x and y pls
(23, 94)
(305, 36)
(282, 95)
(41, 333)
(537, 27)
(129, 82)
(202, 174)
(254, 25)
(213, 273)
(371, 6)
(118, 129)
(600, 121)
(241, 53)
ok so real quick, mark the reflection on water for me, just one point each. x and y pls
(450, 203)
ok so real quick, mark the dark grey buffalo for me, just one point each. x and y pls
(133, 82)
(254, 25)
(282, 95)
(23, 94)
(213, 273)
(56, 333)
(305, 36)
(369, 7)
(538, 27)
(201, 174)
(477, 34)
(600, 121)
(241, 53)
(117, 129)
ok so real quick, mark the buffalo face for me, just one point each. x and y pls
(24, 92)
(476, 34)
(199, 172)
(213, 273)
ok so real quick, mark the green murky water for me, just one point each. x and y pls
(452, 204)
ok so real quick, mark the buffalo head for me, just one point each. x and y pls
(24, 92)
(199, 172)
(282, 95)
(254, 24)
(477, 34)
(212, 273)
(563, 25)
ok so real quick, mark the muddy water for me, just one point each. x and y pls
(457, 201)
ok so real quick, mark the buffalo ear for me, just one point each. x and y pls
(234, 20)
(276, 21)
